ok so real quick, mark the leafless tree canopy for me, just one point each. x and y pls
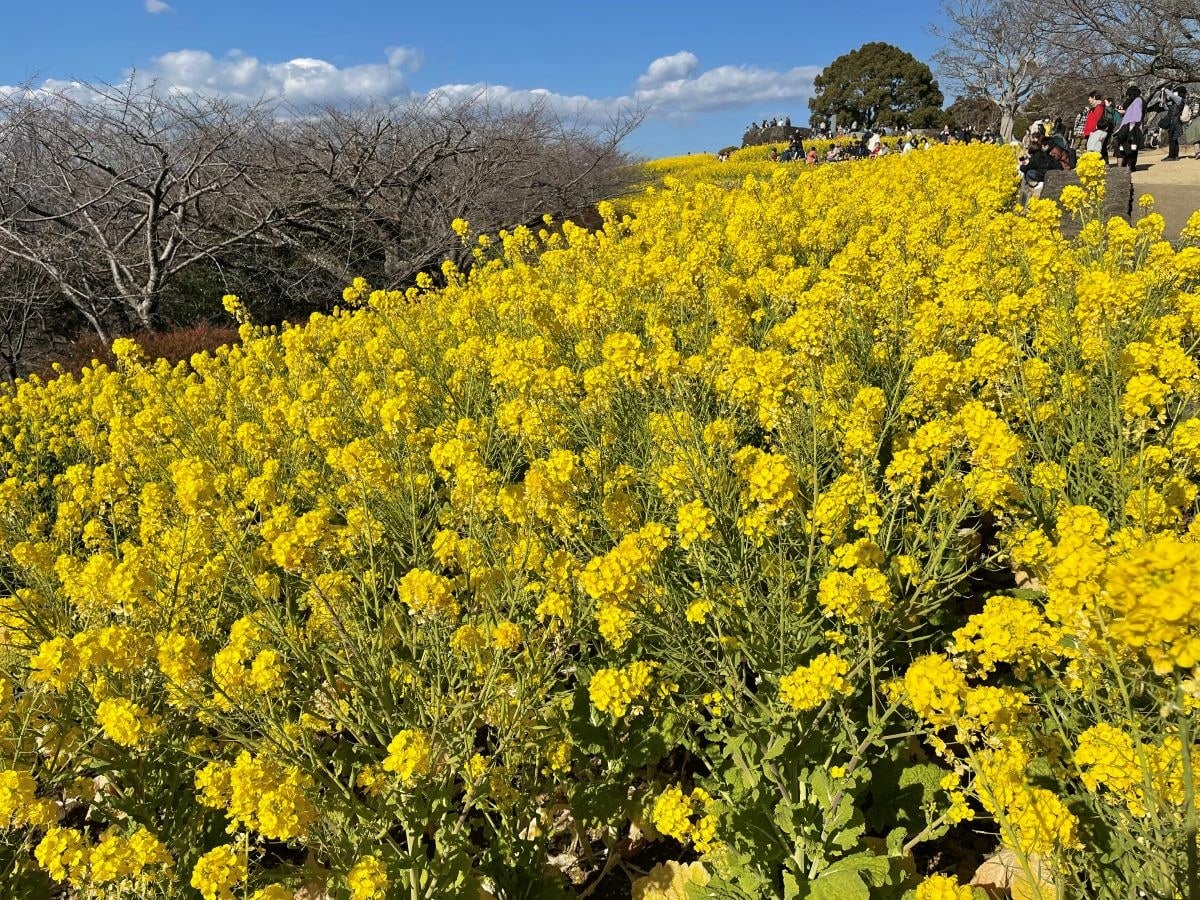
(113, 197)
(1155, 41)
(1011, 50)
(1000, 48)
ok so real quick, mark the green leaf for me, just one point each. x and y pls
(1025, 594)
(900, 792)
(878, 870)
(785, 818)
(848, 837)
(822, 788)
(734, 744)
(926, 776)
(776, 748)
(839, 886)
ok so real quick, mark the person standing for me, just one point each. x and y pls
(1112, 121)
(1094, 134)
(1174, 100)
(1128, 138)
(1191, 128)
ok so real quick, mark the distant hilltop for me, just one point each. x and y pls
(773, 134)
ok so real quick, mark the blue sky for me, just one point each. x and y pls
(705, 69)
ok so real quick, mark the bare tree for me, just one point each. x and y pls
(30, 314)
(974, 111)
(113, 191)
(999, 48)
(1156, 41)
(373, 190)
(125, 198)
(1014, 50)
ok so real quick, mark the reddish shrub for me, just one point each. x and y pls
(173, 345)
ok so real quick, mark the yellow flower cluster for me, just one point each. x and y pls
(19, 804)
(686, 817)
(1152, 591)
(808, 686)
(422, 584)
(1108, 758)
(260, 795)
(367, 879)
(409, 755)
(218, 872)
(615, 691)
(115, 862)
(943, 887)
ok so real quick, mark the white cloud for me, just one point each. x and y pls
(300, 80)
(671, 87)
(669, 68)
(499, 95)
(725, 88)
(50, 86)
(157, 6)
(667, 89)
(407, 58)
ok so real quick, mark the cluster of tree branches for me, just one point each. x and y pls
(123, 207)
(1013, 51)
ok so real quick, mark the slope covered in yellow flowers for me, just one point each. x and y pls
(784, 535)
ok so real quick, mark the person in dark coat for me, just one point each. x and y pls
(1173, 103)
(1128, 139)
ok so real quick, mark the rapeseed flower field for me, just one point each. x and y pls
(799, 533)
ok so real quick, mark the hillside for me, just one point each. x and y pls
(801, 532)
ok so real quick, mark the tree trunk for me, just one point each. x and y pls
(1008, 117)
(144, 309)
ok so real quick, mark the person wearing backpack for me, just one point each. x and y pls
(1191, 128)
(1110, 123)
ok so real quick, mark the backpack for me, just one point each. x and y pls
(1112, 119)
(1185, 114)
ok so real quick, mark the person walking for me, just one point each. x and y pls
(1128, 139)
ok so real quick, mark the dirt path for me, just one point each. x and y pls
(1175, 187)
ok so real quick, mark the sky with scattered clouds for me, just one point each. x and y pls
(700, 70)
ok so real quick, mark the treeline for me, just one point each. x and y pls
(134, 208)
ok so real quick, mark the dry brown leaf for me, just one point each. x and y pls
(1026, 581)
(1002, 875)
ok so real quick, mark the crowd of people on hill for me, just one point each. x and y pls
(1117, 130)
(775, 122)
(870, 144)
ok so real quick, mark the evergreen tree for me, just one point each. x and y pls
(878, 85)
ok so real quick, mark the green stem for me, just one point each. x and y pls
(1190, 824)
